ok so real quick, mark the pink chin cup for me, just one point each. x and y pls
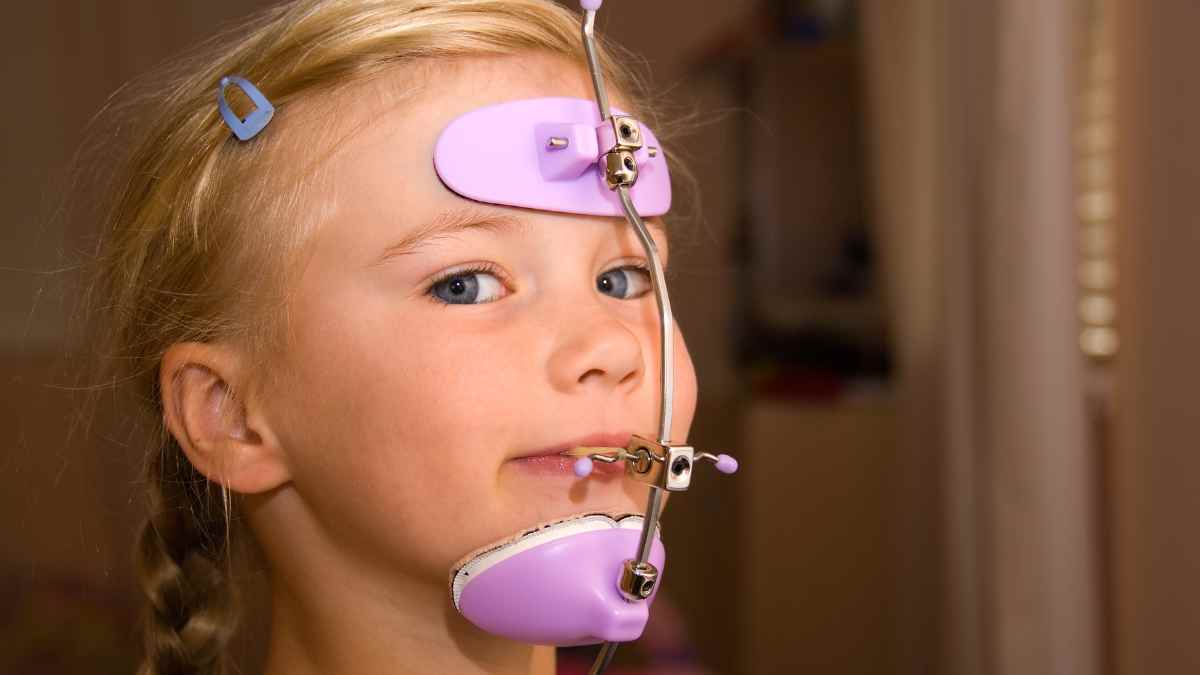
(502, 154)
(558, 585)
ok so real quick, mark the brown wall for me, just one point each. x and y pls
(1155, 466)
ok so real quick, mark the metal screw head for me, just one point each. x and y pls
(626, 133)
(680, 466)
(677, 469)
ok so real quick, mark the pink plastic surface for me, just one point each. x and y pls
(563, 592)
(500, 154)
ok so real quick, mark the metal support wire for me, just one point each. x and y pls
(593, 61)
(665, 319)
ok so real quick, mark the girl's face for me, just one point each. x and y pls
(435, 340)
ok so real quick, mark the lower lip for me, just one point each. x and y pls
(560, 465)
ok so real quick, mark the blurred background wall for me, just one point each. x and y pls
(938, 299)
(1155, 456)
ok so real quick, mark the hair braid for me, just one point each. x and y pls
(184, 566)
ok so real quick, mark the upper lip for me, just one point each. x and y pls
(609, 439)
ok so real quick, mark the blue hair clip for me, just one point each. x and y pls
(257, 120)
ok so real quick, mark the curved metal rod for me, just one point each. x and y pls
(593, 61)
(665, 320)
(666, 363)
(666, 388)
(604, 658)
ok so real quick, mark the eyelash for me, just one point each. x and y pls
(488, 268)
(478, 268)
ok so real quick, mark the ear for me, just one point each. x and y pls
(226, 438)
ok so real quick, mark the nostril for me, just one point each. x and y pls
(628, 377)
(594, 371)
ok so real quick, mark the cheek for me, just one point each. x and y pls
(394, 431)
(684, 408)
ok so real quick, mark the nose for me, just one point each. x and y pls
(595, 349)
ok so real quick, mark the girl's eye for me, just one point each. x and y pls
(625, 283)
(480, 285)
(467, 287)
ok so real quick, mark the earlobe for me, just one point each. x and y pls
(223, 436)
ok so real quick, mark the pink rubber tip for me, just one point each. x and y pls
(583, 467)
(591, 5)
(726, 464)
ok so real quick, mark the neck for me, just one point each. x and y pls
(333, 613)
(323, 632)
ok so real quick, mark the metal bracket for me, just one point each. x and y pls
(661, 465)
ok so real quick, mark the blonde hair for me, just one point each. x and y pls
(200, 229)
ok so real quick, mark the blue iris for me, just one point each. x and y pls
(617, 283)
(458, 290)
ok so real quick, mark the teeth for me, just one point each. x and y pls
(585, 450)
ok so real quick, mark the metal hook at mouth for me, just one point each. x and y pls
(660, 465)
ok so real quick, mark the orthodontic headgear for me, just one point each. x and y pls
(590, 578)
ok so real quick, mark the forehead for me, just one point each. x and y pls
(408, 108)
(483, 80)
(384, 158)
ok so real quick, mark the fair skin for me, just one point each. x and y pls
(383, 447)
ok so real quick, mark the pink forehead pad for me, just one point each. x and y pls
(502, 154)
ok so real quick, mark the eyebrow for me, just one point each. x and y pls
(447, 223)
(464, 219)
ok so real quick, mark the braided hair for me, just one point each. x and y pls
(185, 567)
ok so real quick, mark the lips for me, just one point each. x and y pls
(600, 439)
(550, 460)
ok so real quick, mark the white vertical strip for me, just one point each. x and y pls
(1039, 468)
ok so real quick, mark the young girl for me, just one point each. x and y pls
(353, 370)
